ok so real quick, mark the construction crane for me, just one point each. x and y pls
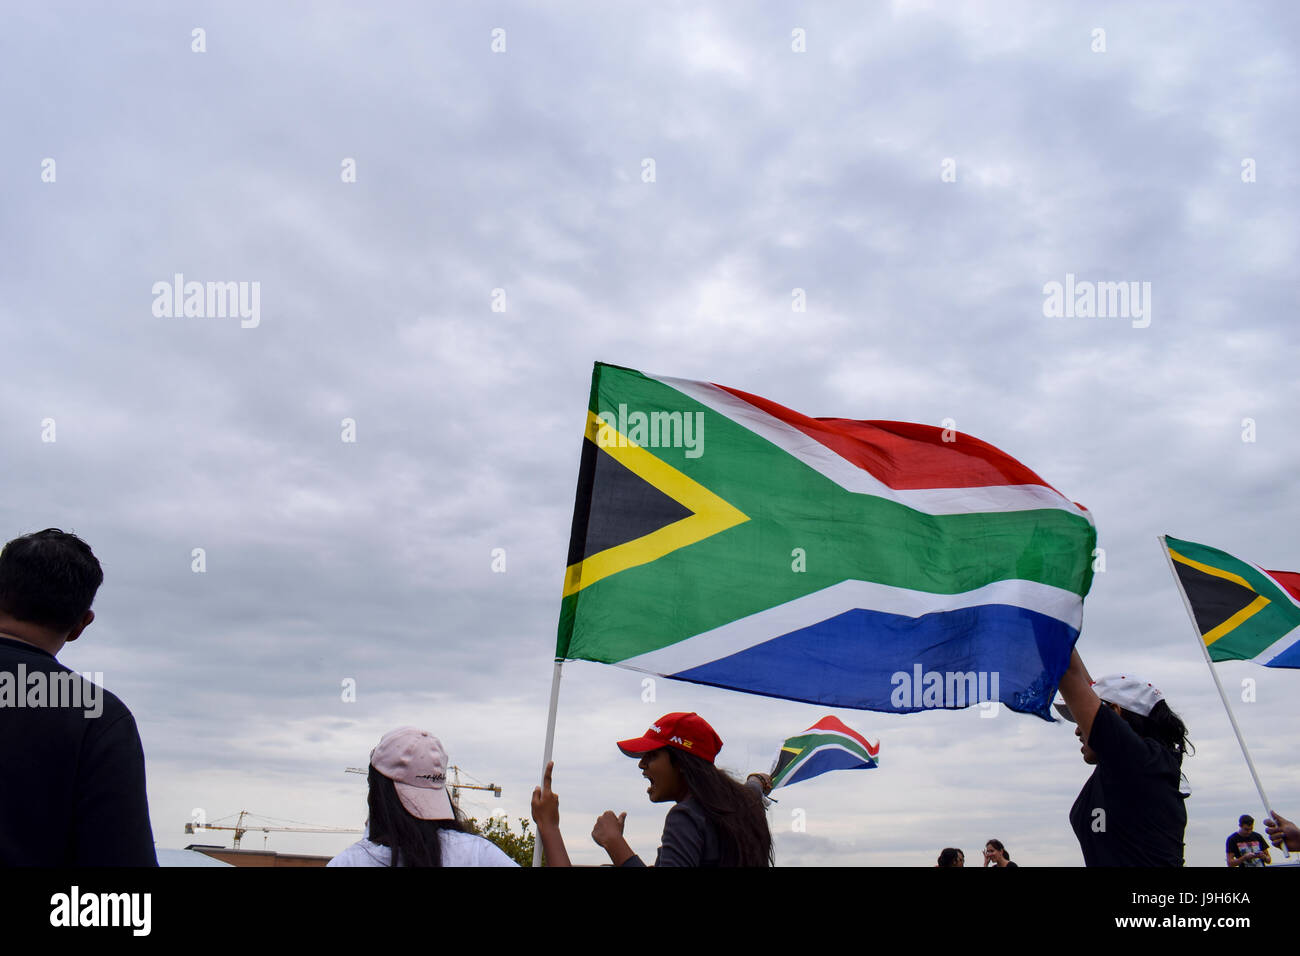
(241, 828)
(456, 786)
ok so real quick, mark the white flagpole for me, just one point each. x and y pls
(550, 742)
(1232, 718)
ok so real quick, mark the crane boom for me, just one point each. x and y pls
(241, 828)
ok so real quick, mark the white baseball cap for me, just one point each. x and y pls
(1131, 693)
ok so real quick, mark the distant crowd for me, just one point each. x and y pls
(995, 854)
(81, 801)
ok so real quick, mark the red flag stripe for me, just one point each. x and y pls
(836, 725)
(1288, 581)
(802, 438)
(904, 455)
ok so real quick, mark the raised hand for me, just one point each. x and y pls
(546, 805)
(1279, 828)
(608, 828)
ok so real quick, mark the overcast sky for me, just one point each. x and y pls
(1162, 150)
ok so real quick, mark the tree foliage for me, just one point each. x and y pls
(517, 846)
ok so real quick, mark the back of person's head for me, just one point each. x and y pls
(49, 578)
(735, 809)
(409, 802)
(1163, 726)
(414, 842)
(949, 856)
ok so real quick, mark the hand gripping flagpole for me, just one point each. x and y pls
(1232, 718)
(550, 742)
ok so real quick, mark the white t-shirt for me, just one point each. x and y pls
(458, 849)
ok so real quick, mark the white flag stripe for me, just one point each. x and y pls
(1278, 646)
(849, 741)
(818, 732)
(933, 501)
(736, 636)
(788, 772)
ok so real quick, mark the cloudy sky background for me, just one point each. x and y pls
(521, 170)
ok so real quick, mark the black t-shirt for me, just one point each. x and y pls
(1239, 846)
(72, 789)
(1130, 812)
(689, 839)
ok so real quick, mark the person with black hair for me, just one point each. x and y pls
(715, 822)
(995, 854)
(1245, 847)
(412, 820)
(1131, 810)
(74, 776)
(951, 858)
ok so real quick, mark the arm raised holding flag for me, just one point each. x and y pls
(1280, 829)
(1130, 812)
(546, 814)
(1083, 704)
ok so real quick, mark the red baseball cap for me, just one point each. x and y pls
(687, 732)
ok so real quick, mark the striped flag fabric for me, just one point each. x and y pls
(722, 539)
(827, 745)
(1241, 611)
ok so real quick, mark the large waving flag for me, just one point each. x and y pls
(722, 539)
(1241, 611)
(827, 745)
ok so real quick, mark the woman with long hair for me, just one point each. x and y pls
(715, 821)
(412, 819)
(1131, 811)
(995, 854)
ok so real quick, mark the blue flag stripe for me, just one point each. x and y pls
(872, 660)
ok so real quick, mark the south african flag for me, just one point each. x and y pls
(827, 745)
(1241, 611)
(722, 539)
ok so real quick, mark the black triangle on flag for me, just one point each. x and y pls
(1213, 599)
(784, 759)
(615, 506)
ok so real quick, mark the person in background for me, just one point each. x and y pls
(715, 820)
(72, 783)
(1245, 846)
(412, 819)
(1131, 810)
(995, 854)
(950, 856)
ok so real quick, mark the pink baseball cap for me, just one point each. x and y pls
(416, 763)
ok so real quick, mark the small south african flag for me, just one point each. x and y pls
(826, 745)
